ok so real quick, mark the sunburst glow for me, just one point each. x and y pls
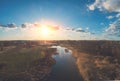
(45, 30)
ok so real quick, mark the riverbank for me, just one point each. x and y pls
(26, 64)
(95, 67)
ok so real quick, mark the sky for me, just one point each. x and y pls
(59, 20)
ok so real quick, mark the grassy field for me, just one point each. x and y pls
(24, 62)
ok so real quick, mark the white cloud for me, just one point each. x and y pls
(114, 28)
(114, 16)
(94, 5)
(106, 5)
(110, 17)
(118, 15)
(109, 6)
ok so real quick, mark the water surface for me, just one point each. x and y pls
(65, 68)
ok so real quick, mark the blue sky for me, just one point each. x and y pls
(76, 19)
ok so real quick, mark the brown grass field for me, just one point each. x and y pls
(25, 64)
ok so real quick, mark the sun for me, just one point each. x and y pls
(45, 30)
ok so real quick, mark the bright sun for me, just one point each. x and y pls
(45, 30)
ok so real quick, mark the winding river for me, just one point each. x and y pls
(65, 68)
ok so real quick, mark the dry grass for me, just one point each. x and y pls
(17, 63)
(94, 67)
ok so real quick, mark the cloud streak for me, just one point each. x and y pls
(110, 17)
(12, 25)
(57, 31)
(29, 25)
(114, 28)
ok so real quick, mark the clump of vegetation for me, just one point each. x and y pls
(26, 64)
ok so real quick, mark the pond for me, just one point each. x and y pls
(65, 68)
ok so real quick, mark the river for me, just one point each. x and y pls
(65, 68)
